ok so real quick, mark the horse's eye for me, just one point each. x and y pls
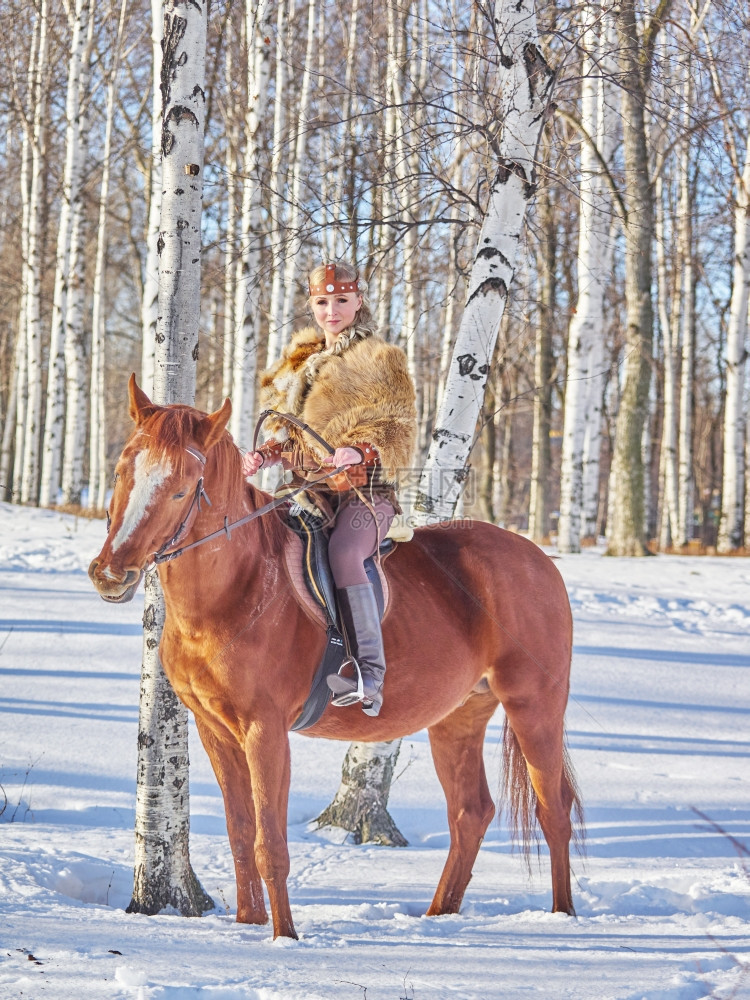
(178, 496)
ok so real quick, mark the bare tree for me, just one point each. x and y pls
(626, 523)
(247, 313)
(70, 210)
(595, 252)
(163, 874)
(29, 415)
(731, 528)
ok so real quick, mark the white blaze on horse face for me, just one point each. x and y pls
(148, 478)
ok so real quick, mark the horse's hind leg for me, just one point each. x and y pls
(532, 733)
(231, 770)
(456, 744)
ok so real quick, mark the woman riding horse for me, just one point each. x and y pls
(354, 389)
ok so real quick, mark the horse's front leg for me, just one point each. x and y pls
(267, 751)
(230, 767)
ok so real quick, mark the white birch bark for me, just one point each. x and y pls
(54, 425)
(360, 804)
(386, 210)
(300, 169)
(76, 402)
(13, 483)
(31, 418)
(525, 84)
(446, 342)
(594, 269)
(9, 426)
(685, 485)
(150, 301)
(276, 330)
(22, 402)
(163, 875)
(97, 411)
(667, 322)
(347, 138)
(539, 507)
(733, 483)
(75, 345)
(326, 150)
(248, 306)
(230, 248)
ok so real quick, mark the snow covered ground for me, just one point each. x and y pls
(658, 727)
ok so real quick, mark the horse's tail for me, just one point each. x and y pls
(519, 799)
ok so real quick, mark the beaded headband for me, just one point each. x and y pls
(331, 286)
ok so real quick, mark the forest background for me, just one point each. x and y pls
(370, 132)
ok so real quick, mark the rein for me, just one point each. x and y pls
(163, 556)
(290, 419)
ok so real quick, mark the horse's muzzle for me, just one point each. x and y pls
(111, 587)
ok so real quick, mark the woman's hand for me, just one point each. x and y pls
(344, 457)
(251, 462)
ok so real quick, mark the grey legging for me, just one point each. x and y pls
(355, 537)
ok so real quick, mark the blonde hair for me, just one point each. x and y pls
(364, 321)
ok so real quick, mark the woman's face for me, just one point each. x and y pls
(334, 313)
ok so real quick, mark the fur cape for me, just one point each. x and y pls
(363, 395)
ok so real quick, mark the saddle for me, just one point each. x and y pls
(309, 572)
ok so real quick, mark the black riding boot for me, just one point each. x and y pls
(361, 621)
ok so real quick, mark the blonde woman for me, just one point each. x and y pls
(351, 387)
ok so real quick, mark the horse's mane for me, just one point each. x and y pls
(168, 428)
(171, 426)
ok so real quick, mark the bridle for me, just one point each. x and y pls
(163, 555)
(195, 505)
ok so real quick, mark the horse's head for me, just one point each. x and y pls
(157, 478)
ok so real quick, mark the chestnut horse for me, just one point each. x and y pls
(478, 616)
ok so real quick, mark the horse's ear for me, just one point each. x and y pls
(141, 406)
(213, 426)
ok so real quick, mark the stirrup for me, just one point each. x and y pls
(346, 690)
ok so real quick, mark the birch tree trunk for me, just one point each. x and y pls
(247, 309)
(668, 324)
(586, 333)
(163, 874)
(9, 426)
(626, 521)
(12, 484)
(733, 486)
(54, 425)
(360, 804)
(150, 300)
(30, 418)
(299, 171)
(347, 140)
(76, 409)
(276, 331)
(686, 490)
(539, 507)
(232, 223)
(526, 84)
(97, 412)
